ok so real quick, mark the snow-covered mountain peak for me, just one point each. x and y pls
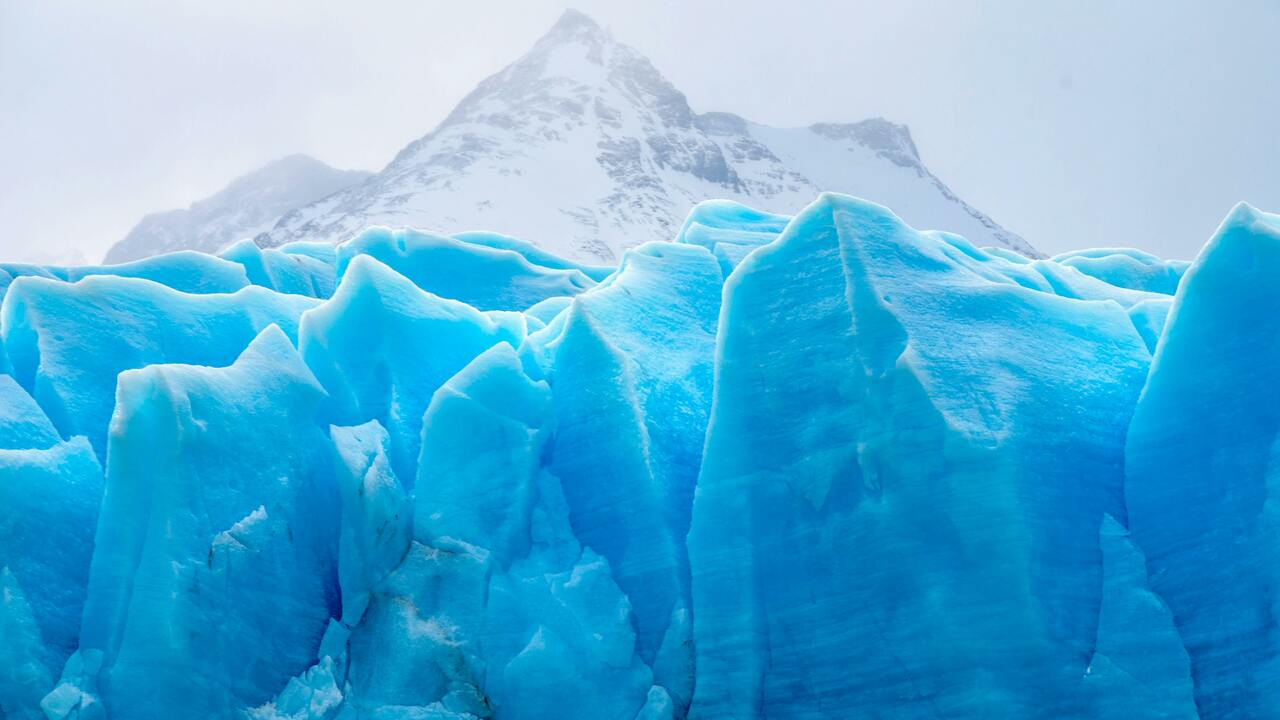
(583, 147)
(574, 74)
(575, 26)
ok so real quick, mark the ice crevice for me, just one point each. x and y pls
(796, 466)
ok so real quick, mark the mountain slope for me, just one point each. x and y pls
(582, 147)
(246, 207)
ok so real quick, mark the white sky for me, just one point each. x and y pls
(1072, 123)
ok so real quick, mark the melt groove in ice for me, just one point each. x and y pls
(806, 467)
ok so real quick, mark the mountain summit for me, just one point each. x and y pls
(582, 147)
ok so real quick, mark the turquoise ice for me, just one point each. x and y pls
(776, 466)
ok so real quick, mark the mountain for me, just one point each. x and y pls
(582, 147)
(249, 205)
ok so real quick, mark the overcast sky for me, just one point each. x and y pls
(1073, 124)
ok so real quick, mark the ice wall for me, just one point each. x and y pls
(809, 466)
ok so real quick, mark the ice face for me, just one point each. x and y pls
(783, 466)
(185, 271)
(49, 496)
(296, 269)
(1129, 268)
(1201, 459)
(214, 572)
(882, 414)
(476, 270)
(381, 347)
(730, 230)
(67, 342)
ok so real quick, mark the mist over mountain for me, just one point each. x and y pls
(582, 147)
(248, 206)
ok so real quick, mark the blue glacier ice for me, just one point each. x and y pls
(50, 491)
(1129, 268)
(480, 272)
(730, 230)
(381, 346)
(1203, 468)
(67, 342)
(534, 254)
(297, 268)
(816, 465)
(185, 271)
(213, 573)
(882, 416)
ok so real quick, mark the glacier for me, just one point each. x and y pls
(779, 466)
